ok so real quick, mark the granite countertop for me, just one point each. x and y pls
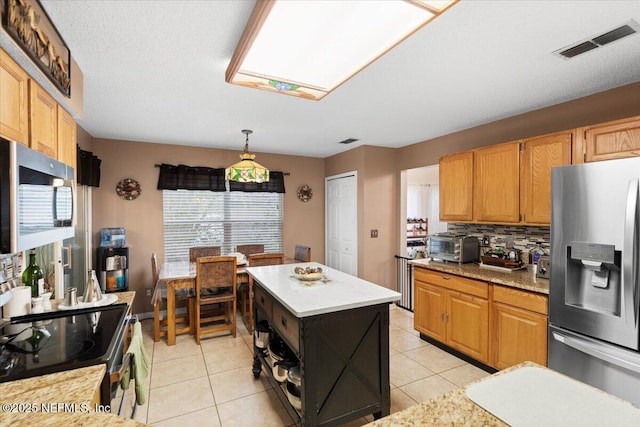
(335, 292)
(76, 387)
(522, 279)
(41, 400)
(528, 397)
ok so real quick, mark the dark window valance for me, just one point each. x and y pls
(274, 185)
(183, 177)
(88, 168)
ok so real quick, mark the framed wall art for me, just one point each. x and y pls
(29, 25)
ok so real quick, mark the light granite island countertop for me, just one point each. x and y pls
(525, 394)
(41, 400)
(521, 279)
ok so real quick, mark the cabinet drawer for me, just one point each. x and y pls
(263, 300)
(287, 326)
(531, 301)
(452, 282)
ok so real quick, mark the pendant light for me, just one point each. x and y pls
(246, 170)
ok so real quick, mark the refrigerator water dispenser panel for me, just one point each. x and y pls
(593, 277)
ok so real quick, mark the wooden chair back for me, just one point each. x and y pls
(216, 283)
(215, 276)
(250, 249)
(203, 251)
(302, 253)
(154, 269)
(265, 259)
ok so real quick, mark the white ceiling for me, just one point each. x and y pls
(154, 72)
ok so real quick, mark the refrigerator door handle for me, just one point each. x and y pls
(592, 350)
(630, 295)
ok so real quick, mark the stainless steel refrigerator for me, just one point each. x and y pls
(594, 294)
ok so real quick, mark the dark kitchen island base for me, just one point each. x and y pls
(343, 357)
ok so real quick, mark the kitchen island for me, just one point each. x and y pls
(338, 329)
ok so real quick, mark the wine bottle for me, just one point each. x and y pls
(33, 277)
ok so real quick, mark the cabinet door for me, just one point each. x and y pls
(468, 325)
(518, 335)
(538, 156)
(613, 140)
(43, 121)
(429, 310)
(456, 187)
(66, 138)
(14, 100)
(496, 195)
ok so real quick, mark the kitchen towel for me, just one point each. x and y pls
(139, 366)
(20, 305)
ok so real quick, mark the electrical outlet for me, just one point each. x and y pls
(147, 292)
(374, 233)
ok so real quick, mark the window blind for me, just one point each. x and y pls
(225, 219)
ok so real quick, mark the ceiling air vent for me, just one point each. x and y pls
(596, 41)
(348, 141)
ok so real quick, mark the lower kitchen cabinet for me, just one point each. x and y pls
(453, 310)
(519, 327)
(499, 326)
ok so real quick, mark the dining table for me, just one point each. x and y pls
(186, 270)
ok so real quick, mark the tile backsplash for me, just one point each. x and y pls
(506, 236)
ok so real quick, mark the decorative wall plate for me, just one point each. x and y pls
(304, 193)
(128, 189)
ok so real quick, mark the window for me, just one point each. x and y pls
(225, 219)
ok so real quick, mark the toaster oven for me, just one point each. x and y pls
(454, 248)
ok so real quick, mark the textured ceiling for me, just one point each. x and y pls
(154, 72)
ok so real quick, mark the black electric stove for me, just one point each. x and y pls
(58, 341)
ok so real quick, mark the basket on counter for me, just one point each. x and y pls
(501, 262)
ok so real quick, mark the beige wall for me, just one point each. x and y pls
(601, 107)
(379, 205)
(378, 172)
(377, 209)
(142, 218)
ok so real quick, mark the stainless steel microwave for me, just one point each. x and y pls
(36, 198)
(450, 247)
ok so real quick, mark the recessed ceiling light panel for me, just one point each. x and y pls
(308, 48)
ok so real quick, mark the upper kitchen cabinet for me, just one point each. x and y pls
(537, 157)
(14, 100)
(66, 138)
(43, 121)
(496, 186)
(612, 140)
(456, 187)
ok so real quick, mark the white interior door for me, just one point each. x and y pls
(341, 222)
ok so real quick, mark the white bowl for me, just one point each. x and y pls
(240, 258)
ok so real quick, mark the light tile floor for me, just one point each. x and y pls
(212, 385)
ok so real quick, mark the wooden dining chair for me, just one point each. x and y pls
(203, 251)
(216, 283)
(160, 325)
(302, 253)
(250, 249)
(256, 260)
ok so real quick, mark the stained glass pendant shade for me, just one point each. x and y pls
(247, 170)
